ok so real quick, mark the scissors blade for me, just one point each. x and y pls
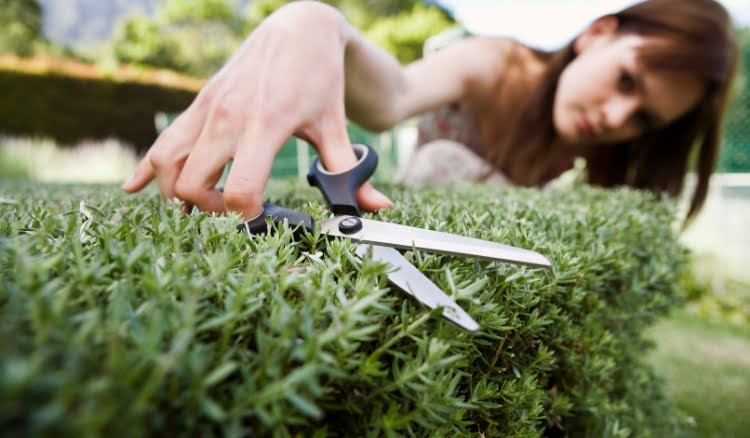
(408, 238)
(408, 278)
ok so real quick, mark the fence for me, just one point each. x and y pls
(735, 154)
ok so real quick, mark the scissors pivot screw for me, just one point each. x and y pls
(350, 225)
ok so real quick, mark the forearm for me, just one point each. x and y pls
(375, 83)
(380, 92)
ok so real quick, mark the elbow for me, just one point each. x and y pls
(381, 124)
(309, 6)
(379, 121)
(377, 111)
(313, 13)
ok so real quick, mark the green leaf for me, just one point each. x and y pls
(220, 373)
(212, 409)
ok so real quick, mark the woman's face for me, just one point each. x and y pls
(605, 95)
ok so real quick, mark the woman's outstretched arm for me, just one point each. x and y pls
(301, 72)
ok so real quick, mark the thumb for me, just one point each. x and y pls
(369, 199)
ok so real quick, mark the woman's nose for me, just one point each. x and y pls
(619, 110)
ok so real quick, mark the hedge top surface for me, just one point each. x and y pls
(117, 310)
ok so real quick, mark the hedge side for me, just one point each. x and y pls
(69, 105)
(121, 317)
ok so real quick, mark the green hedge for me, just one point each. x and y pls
(121, 317)
(69, 109)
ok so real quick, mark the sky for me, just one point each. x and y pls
(549, 23)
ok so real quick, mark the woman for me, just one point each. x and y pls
(632, 93)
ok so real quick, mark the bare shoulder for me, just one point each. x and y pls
(464, 70)
(489, 45)
(484, 59)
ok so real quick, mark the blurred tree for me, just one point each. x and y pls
(196, 11)
(399, 26)
(139, 40)
(199, 13)
(20, 26)
(404, 34)
(198, 36)
(361, 13)
(258, 10)
(191, 36)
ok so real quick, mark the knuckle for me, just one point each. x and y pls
(223, 116)
(238, 198)
(205, 96)
(170, 140)
(187, 190)
(222, 109)
(160, 158)
(171, 143)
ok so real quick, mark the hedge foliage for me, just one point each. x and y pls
(121, 317)
(74, 106)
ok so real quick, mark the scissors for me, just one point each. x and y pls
(382, 240)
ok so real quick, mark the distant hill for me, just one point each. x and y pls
(80, 22)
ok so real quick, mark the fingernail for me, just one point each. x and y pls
(384, 199)
(127, 183)
(255, 215)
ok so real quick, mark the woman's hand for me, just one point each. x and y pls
(287, 79)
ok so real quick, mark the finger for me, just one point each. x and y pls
(213, 149)
(173, 146)
(207, 198)
(202, 170)
(370, 199)
(167, 164)
(143, 174)
(337, 155)
(243, 191)
(331, 140)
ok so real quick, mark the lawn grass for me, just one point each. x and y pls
(706, 365)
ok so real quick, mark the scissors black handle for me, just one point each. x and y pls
(259, 224)
(339, 188)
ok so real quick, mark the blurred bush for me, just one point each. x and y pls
(713, 292)
(71, 101)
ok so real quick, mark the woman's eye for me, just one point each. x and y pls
(626, 82)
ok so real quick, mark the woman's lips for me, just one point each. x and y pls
(586, 128)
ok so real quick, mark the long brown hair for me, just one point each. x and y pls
(703, 43)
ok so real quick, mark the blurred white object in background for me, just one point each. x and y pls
(90, 161)
(722, 228)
